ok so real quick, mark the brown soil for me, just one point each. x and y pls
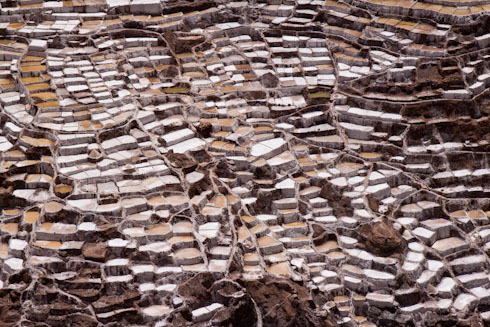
(94, 251)
(281, 302)
(284, 303)
(381, 239)
(205, 129)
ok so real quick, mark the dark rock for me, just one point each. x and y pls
(269, 80)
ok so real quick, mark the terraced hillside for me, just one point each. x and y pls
(260, 163)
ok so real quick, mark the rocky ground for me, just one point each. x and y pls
(234, 163)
